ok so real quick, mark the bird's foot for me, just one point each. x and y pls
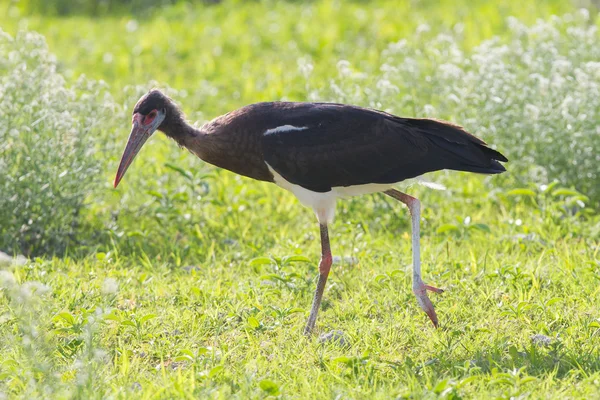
(308, 329)
(434, 289)
(420, 291)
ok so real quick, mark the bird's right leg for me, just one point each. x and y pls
(419, 288)
(324, 267)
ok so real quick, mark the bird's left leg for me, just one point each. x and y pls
(324, 267)
(419, 288)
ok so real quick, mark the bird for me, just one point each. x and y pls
(321, 152)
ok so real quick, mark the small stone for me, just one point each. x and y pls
(337, 337)
(347, 260)
(541, 340)
(190, 268)
(177, 365)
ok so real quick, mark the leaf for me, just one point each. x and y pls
(553, 300)
(155, 194)
(100, 256)
(551, 186)
(128, 323)
(502, 381)
(113, 317)
(214, 371)
(271, 277)
(466, 381)
(439, 388)
(594, 324)
(397, 272)
(290, 259)
(514, 353)
(253, 322)
(269, 386)
(527, 379)
(181, 171)
(447, 228)
(482, 227)
(261, 261)
(566, 192)
(344, 360)
(10, 364)
(521, 192)
(186, 352)
(147, 317)
(135, 234)
(68, 317)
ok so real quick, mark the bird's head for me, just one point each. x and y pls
(153, 111)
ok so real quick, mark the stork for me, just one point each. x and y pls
(321, 152)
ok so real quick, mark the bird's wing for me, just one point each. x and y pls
(329, 145)
(340, 146)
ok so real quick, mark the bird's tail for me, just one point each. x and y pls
(460, 150)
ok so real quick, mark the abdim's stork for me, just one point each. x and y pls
(321, 152)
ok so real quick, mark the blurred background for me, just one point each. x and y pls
(525, 76)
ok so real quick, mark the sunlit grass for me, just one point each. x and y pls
(248, 51)
(190, 281)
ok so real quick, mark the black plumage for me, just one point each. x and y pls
(346, 145)
(317, 150)
(340, 145)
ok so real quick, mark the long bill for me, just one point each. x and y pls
(137, 138)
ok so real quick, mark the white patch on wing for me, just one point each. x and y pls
(285, 128)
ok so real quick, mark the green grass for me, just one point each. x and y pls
(536, 276)
(249, 51)
(191, 282)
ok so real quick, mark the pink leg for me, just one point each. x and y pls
(419, 288)
(324, 267)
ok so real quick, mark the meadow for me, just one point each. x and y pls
(191, 282)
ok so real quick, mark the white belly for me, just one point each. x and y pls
(323, 204)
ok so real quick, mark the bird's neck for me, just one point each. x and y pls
(222, 143)
(186, 135)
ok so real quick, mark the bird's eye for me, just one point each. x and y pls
(150, 117)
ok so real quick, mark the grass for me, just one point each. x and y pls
(192, 282)
(231, 321)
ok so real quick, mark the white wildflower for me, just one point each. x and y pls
(132, 25)
(5, 259)
(7, 279)
(110, 286)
